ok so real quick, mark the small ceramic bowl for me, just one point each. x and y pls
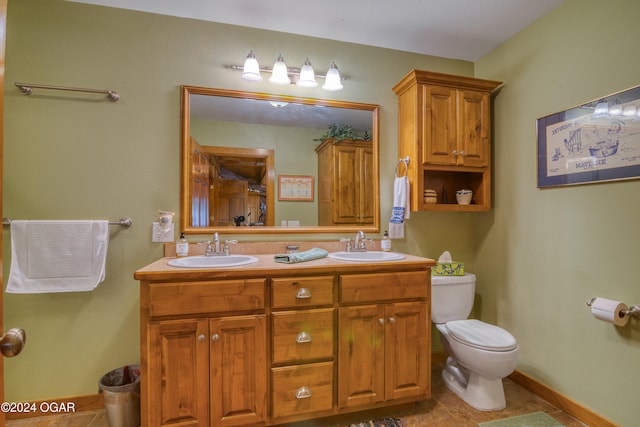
(464, 197)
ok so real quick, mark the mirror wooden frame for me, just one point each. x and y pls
(185, 166)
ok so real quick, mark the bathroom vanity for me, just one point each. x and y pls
(269, 343)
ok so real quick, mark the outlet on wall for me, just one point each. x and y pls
(157, 235)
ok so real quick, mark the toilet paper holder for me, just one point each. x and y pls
(634, 310)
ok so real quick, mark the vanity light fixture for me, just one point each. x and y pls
(251, 69)
(332, 81)
(281, 74)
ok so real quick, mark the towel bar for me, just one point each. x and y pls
(124, 222)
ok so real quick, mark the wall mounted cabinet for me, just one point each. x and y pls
(444, 127)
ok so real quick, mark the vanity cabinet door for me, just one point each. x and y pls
(360, 355)
(407, 361)
(238, 370)
(383, 353)
(178, 354)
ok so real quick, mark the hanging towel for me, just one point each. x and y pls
(400, 200)
(401, 209)
(311, 254)
(57, 256)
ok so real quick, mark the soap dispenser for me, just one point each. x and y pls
(385, 243)
(182, 246)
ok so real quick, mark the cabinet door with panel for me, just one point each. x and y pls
(178, 354)
(238, 370)
(407, 360)
(360, 355)
(456, 127)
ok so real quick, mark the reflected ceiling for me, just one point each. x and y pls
(262, 112)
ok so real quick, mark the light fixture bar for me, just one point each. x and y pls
(292, 71)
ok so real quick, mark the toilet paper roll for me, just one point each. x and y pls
(609, 311)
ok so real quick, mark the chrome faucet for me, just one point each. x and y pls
(215, 249)
(358, 244)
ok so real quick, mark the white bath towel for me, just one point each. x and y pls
(57, 256)
(401, 209)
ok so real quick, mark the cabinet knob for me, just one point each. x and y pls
(381, 321)
(454, 152)
(303, 393)
(201, 337)
(462, 153)
(303, 293)
(303, 337)
(215, 337)
(392, 320)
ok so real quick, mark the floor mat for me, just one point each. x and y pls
(535, 419)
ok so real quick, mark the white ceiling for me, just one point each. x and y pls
(458, 29)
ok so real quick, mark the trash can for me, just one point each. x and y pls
(121, 389)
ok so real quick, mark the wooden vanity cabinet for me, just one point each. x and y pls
(273, 345)
(193, 373)
(345, 180)
(384, 338)
(444, 127)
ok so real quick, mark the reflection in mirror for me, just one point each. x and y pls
(236, 144)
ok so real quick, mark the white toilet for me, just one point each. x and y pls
(480, 355)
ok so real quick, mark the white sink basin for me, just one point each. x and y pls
(368, 256)
(212, 261)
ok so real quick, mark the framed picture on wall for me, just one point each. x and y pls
(593, 142)
(295, 188)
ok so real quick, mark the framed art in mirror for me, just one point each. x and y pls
(295, 188)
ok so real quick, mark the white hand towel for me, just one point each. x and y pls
(57, 256)
(401, 209)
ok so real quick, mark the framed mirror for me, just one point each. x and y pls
(256, 163)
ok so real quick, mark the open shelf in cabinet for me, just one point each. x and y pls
(451, 181)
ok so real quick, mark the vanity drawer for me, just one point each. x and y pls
(166, 299)
(302, 291)
(384, 286)
(301, 389)
(302, 335)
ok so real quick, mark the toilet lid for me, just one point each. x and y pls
(481, 335)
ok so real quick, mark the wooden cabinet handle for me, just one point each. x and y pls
(303, 293)
(303, 337)
(303, 393)
(215, 337)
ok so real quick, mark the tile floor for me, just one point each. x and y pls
(444, 409)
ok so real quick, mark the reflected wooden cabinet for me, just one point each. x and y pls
(444, 127)
(345, 182)
(199, 179)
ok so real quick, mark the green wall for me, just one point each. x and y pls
(541, 254)
(80, 157)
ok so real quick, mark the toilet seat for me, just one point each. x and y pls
(481, 335)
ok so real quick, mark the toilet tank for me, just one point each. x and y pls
(452, 297)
